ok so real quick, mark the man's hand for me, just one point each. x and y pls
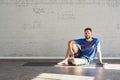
(101, 64)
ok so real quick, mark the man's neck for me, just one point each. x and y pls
(89, 40)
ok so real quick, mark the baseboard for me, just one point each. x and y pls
(50, 58)
(31, 57)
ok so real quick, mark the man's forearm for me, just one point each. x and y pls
(99, 56)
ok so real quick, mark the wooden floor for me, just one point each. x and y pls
(18, 69)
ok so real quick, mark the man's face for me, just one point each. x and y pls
(87, 34)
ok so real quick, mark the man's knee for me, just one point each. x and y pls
(75, 48)
(73, 45)
(70, 42)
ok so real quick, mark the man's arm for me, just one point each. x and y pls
(99, 55)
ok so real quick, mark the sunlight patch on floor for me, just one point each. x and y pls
(51, 76)
(106, 66)
(112, 66)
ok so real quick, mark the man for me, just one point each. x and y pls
(83, 50)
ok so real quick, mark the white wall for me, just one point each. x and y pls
(42, 28)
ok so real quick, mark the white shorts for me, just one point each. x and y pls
(81, 61)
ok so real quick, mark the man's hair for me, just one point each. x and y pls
(88, 29)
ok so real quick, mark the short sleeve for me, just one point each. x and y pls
(98, 44)
(77, 41)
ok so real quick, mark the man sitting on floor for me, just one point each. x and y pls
(84, 50)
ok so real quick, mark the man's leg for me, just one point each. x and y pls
(72, 49)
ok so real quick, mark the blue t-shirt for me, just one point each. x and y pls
(88, 49)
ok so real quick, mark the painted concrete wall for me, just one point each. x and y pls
(42, 28)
